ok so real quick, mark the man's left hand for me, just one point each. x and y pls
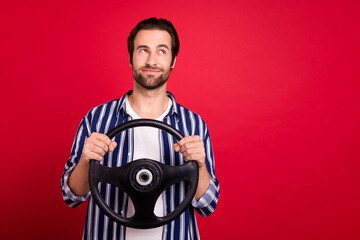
(192, 148)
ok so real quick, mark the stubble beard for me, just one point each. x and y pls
(151, 82)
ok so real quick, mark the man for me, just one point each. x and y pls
(153, 46)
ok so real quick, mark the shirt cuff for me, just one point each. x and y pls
(69, 195)
(207, 198)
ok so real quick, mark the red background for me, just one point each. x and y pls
(276, 81)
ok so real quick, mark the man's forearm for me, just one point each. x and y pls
(203, 184)
(79, 179)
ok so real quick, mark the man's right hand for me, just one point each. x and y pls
(96, 146)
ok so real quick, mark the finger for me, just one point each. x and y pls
(192, 151)
(188, 139)
(112, 146)
(96, 149)
(103, 138)
(177, 147)
(193, 147)
(193, 157)
(196, 157)
(100, 144)
(107, 140)
(92, 155)
(190, 145)
(100, 140)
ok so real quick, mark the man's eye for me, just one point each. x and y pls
(162, 51)
(143, 51)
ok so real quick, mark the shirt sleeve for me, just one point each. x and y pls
(207, 203)
(69, 197)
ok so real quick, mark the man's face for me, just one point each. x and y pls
(152, 58)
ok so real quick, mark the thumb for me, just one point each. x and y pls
(112, 146)
(176, 147)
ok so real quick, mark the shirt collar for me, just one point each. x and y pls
(121, 108)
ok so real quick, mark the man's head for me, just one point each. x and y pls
(153, 46)
(154, 24)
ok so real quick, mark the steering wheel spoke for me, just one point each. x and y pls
(112, 175)
(175, 174)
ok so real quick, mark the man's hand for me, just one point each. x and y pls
(96, 146)
(192, 148)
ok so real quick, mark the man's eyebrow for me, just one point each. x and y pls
(163, 45)
(142, 46)
(158, 46)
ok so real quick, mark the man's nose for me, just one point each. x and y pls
(151, 60)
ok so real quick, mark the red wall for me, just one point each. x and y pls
(276, 81)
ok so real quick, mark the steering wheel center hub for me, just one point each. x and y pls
(145, 175)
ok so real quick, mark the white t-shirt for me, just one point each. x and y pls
(146, 145)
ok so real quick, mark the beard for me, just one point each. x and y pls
(150, 82)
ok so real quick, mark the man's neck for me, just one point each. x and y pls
(149, 103)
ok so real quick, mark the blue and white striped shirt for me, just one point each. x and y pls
(103, 118)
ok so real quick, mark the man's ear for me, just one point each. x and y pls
(173, 65)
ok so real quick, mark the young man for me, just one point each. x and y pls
(153, 46)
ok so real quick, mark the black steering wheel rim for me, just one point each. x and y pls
(143, 197)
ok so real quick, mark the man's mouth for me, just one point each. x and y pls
(151, 70)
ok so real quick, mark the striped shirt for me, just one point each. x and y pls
(103, 118)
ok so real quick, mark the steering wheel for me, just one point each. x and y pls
(143, 180)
